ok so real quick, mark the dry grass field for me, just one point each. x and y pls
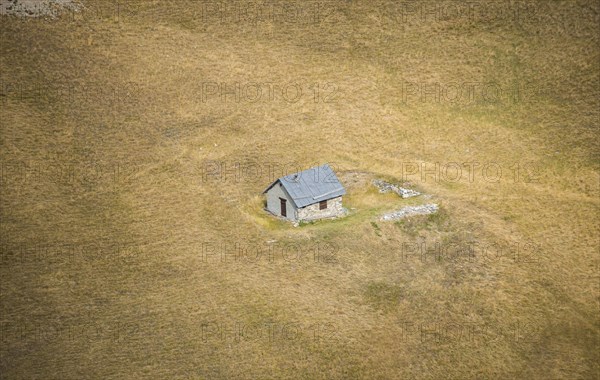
(137, 137)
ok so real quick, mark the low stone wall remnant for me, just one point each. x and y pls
(385, 187)
(410, 211)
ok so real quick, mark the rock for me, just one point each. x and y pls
(38, 8)
(410, 211)
(385, 187)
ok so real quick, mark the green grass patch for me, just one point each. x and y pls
(382, 295)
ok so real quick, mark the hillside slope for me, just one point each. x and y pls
(137, 139)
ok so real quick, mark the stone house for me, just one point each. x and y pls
(314, 193)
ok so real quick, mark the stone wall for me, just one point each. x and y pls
(410, 211)
(311, 212)
(385, 187)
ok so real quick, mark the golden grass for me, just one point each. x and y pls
(148, 309)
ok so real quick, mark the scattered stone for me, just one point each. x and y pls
(410, 211)
(38, 8)
(385, 187)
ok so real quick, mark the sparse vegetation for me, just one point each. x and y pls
(376, 228)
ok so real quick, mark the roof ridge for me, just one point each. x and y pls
(311, 185)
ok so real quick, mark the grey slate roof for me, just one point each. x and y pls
(311, 185)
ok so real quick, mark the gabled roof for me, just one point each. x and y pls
(311, 185)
